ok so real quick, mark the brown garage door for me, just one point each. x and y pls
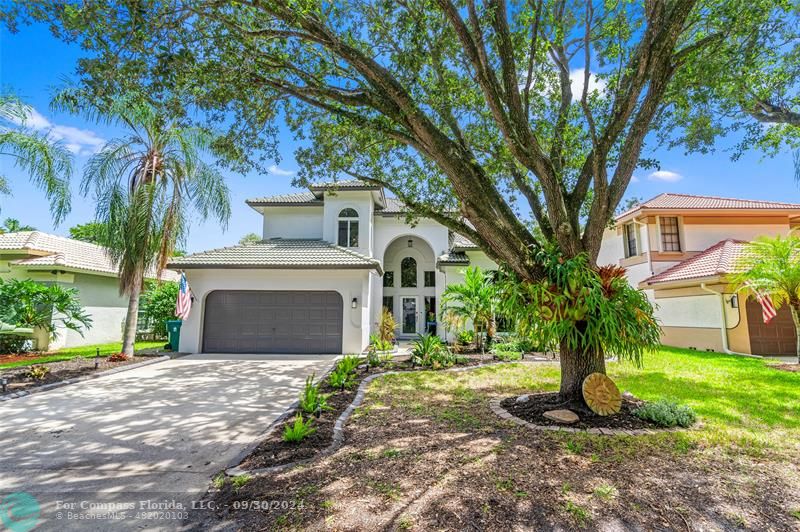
(257, 321)
(776, 338)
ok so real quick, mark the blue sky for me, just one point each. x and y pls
(33, 64)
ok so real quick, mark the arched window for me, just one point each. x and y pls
(348, 228)
(408, 273)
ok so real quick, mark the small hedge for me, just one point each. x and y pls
(666, 413)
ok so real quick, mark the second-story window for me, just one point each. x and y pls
(670, 233)
(348, 228)
(630, 240)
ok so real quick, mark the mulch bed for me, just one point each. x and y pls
(273, 451)
(537, 404)
(59, 371)
(794, 368)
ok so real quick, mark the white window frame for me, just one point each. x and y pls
(349, 220)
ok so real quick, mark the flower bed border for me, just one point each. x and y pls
(502, 413)
(96, 375)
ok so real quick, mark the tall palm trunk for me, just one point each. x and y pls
(132, 318)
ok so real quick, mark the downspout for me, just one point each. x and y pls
(724, 328)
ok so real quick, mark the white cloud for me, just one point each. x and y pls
(634, 179)
(76, 140)
(576, 81)
(665, 175)
(275, 170)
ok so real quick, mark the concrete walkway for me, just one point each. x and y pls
(155, 433)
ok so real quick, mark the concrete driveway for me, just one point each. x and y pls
(155, 433)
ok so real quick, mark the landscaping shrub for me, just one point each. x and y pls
(386, 328)
(118, 357)
(158, 306)
(377, 344)
(466, 337)
(10, 343)
(298, 430)
(349, 363)
(312, 401)
(341, 379)
(29, 304)
(666, 413)
(430, 351)
(507, 356)
(37, 373)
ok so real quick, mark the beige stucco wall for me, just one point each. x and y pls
(700, 338)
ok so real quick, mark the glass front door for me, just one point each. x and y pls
(409, 315)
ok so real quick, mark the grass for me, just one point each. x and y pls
(86, 351)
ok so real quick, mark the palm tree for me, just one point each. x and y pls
(475, 299)
(12, 225)
(47, 163)
(771, 265)
(146, 184)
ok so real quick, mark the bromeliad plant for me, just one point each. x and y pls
(430, 351)
(588, 311)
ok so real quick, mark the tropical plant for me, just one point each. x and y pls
(666, 413)
(468, 112)
(475, 299)
(249, 238)
(348, 363)
(48, 163)
(583, 309)
(26, 303)
(298, 430)
(158, 305)
(771, 266)
(12, 225)
(37, 373)
(341, 379)
(378, 344)
(312, 401)
(466, 337)
(386, 327)
(147, 183)
(429, 351)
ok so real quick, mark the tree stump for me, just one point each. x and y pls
(601, 394)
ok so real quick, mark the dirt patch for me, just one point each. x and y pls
(794, 368)
(411, 462)
(273, 451)
(533, 409)
(18, 379)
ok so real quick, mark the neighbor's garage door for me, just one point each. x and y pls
(776, 338)
(253, 321)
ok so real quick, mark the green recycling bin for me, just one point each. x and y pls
(174, 332)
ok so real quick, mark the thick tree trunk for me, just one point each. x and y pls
(576, 365)
(131, 319)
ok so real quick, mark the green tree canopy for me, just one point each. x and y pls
(89, 232)
(12, 225)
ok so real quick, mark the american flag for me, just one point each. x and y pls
(184, 304)
(767, 307)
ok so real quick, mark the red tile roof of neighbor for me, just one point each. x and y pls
(719, 259)
(688, 201)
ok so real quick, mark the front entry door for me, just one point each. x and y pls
(409, 315)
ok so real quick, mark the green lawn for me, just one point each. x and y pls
(85, 351)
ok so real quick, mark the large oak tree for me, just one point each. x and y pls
(475, 113)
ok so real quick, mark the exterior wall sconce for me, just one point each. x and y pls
(410, 243)
(354, 303)
(734, 301)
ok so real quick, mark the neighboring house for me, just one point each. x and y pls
(330, 260)
(49, 258)
(681, 249)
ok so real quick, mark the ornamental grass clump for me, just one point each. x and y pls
(666, 413)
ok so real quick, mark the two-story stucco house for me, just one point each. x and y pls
(331, 258)
(680, 249)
